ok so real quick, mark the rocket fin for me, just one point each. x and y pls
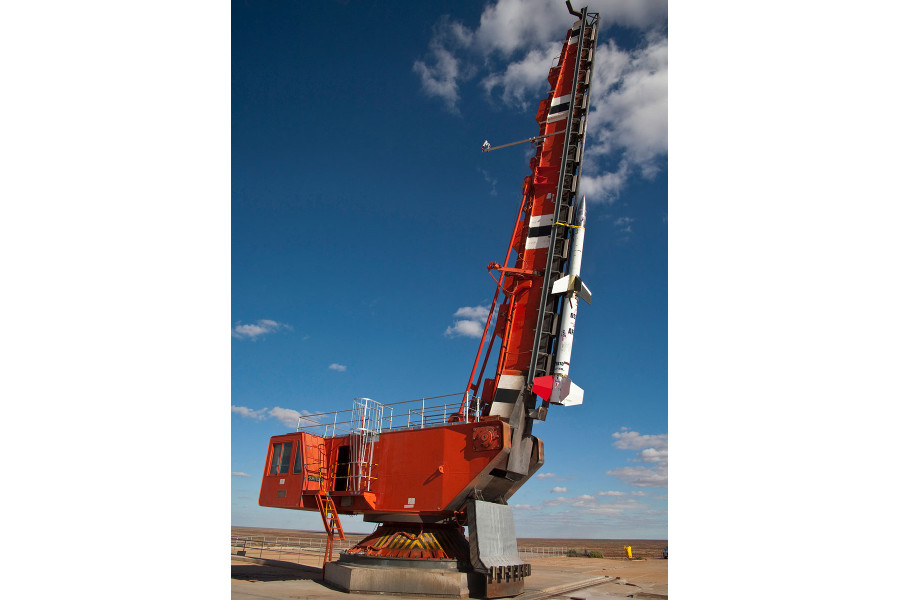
(568, 283)
(543, 386)
(560, 286)
(565, 393)
(583, 291)
(575, 397)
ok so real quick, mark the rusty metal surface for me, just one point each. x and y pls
(504, 589)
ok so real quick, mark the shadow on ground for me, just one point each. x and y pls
(268, 573)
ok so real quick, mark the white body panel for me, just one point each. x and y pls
(566, 334)
(570, 304)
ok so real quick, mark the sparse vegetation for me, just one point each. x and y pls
(585, 553)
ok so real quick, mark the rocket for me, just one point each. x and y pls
(558, 388)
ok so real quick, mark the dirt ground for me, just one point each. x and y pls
(641, 578)
(636, 579)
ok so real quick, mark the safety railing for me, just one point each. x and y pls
(529, 552)
(282, 548)
(409, 414)
(286, 548)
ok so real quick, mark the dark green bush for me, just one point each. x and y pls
(585, 553)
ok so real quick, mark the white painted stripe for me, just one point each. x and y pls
(576, 30)
(537, 242)
(511, 382)
(540, 221)
(561, 99)
(560, 116)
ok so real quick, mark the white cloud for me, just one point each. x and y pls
(651, 449)
(653, 455)
(238, 474)
(465, 328)
(249, 413)
(589, 505)
(337, 367)
(441, 74)
(632, 440)
(510, 25)
(473, 312)
(439, 80)
(558, 490)
(510, 53)
(545, 475)
(471, 324)
(558, 501)
(628, 121)
(642, 14)
(287, 416)
(515, 42)
(523, 82)
(605, 188)
(525, 507)
(642, 476)
(610, 493)
(624, 224)
(629, 106)
(605, 510)
(253, 330)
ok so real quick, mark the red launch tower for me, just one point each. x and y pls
(425, 469)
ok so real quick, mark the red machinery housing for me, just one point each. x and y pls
(416, 472)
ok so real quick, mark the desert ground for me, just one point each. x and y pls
(299, 575)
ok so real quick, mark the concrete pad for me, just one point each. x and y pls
(642, 579)
(370, 579)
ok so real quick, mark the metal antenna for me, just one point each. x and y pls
(486, 147)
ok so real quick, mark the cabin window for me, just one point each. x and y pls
(298, 460)
(281, 458)
(285, 457)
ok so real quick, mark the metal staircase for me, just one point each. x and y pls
(317, 471)
(330, 520)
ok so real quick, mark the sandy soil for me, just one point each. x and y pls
(637, 579)
(642, 578)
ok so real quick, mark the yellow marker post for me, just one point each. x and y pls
(628, 551)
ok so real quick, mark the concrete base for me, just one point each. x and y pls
(384, 576)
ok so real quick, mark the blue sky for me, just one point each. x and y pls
(364, 214)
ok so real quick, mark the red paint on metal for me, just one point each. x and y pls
(406, 466)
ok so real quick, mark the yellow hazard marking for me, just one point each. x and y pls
(572, 226)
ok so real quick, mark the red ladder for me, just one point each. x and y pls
(331, 521)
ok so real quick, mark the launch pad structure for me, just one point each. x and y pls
(425, 470)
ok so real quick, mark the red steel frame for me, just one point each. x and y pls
(426, 475)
